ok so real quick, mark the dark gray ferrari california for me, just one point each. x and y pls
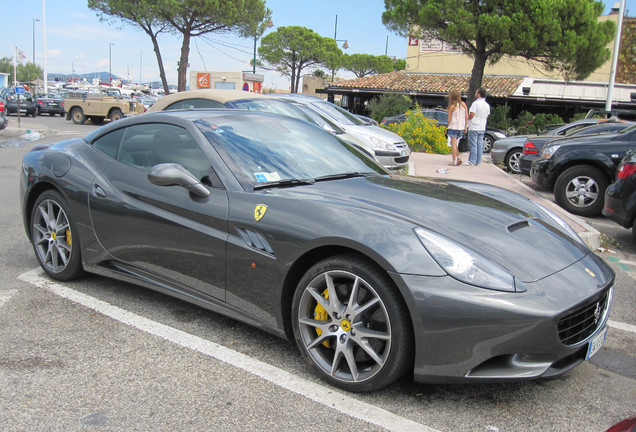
(279, 224)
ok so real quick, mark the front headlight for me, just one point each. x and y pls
(378, 143)
(499, 135)
(548, 151)
(465, 265)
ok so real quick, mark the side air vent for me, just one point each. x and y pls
(255, 240)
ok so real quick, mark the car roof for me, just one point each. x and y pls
(218, 95)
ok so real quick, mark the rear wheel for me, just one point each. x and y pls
(54, 237)
(512, 161)
(115, 114)
(581, 190)
(351, 324)
(77, 115)
(488, 142)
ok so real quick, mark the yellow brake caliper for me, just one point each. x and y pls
(321, 315)
(68, 237)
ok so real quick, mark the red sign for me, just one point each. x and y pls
(413, 41)
(203, 80)
(246, 87)
(257, 86)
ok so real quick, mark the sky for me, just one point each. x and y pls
(78, 42)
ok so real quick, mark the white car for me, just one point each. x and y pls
(388, 148)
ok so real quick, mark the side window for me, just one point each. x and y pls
(194, 103)
(147, 145)
(108, 144)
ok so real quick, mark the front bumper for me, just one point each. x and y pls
(541, 174)
(467, 334)
(393, 159)
(525, 163)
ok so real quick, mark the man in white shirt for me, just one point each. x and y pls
(477, 117)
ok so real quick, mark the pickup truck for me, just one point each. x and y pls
(97, 105)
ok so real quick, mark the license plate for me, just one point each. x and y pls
(596, 344)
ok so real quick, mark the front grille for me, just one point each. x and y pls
(580, 324)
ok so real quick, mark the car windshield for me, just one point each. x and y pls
(320, 119)
(275, 150)
(271, 106)
(338, 114)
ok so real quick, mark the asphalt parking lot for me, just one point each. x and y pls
(100, 354)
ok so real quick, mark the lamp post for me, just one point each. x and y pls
(345, 45)
(34, 21)
(110, 63)
(269, 24)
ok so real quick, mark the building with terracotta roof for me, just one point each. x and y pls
(433, 69)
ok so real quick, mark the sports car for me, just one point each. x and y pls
(274, 222)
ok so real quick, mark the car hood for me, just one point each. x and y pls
(368, 131)
(498, 224)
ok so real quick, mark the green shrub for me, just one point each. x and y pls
(388, 105)
(527, 123)
(421, 134)
(499, 119)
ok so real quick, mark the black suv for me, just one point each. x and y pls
(579, 169)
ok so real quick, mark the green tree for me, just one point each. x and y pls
(367, 64)
(292, 49)
(143, 14)
(190, 18)
(27, 72)
(562, 35)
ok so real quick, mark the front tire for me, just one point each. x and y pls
(351, 324)
(581, 190)
(77, 115)
(115, 114)
(54, 237)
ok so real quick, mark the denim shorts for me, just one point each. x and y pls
(455, 133)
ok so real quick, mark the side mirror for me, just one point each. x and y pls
(173, 174)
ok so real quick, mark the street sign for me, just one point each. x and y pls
(20, 90)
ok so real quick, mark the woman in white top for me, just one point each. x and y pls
(457, 123)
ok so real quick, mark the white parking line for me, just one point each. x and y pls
(622, 326)
(324, 395)
(6, 295)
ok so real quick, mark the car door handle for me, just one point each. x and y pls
(99, 192)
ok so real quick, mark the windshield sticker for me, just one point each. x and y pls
(267, 177)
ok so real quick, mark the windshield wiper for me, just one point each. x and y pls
(343, 176)
(284, 183)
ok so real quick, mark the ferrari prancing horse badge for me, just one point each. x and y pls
(259, 212)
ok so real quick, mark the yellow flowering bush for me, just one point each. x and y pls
(421, 134)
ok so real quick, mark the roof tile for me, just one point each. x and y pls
(401, 81)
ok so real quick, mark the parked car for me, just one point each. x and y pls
(3, 120)
(533, 146)
(237, 99)
(580, 168)
(508, 151)
(620, 196)
(51, 104)
(441, 116)
(25, 102)
(388, 148)
(281, 225)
